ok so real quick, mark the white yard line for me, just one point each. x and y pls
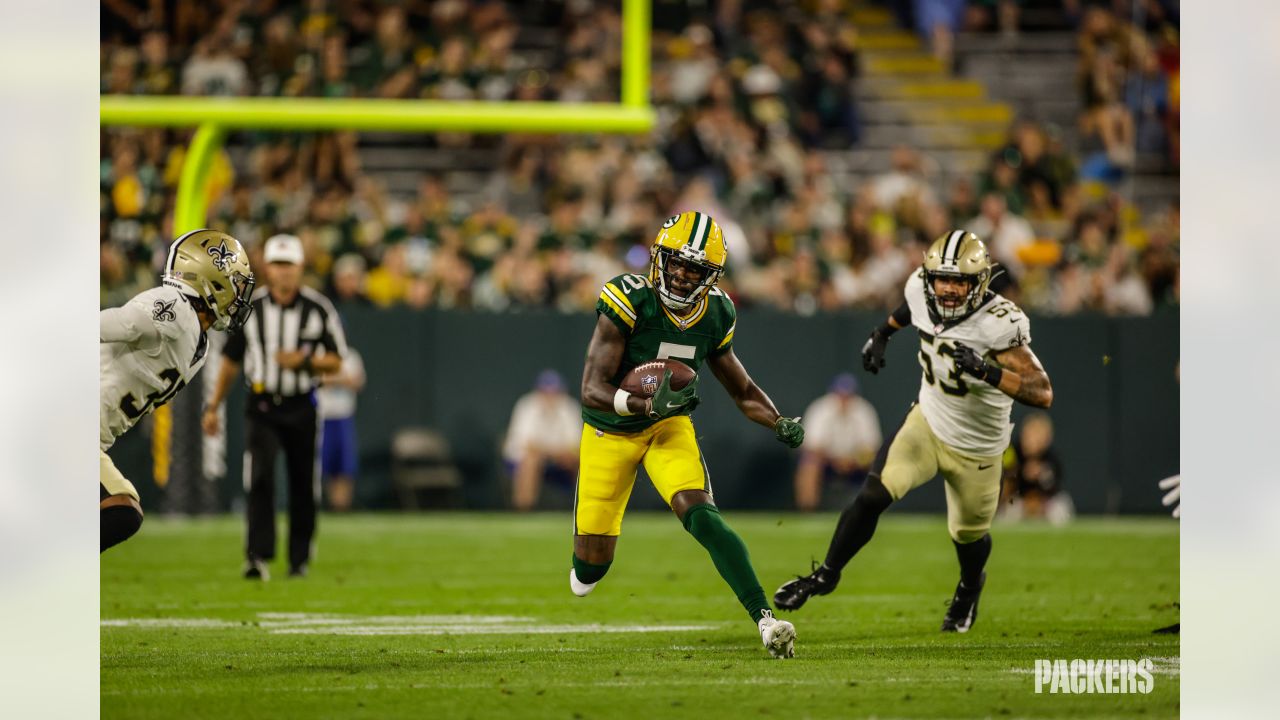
(277, 623)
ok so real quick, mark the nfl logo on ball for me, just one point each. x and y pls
(649, 383)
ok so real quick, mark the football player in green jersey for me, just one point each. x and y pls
(678, 313)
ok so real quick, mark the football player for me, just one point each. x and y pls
(676, 312)
(975, 350)
(154, 344)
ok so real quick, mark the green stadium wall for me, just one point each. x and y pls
(1115, 406)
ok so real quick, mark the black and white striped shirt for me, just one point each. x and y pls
(309, 323)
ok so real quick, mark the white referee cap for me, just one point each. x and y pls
(283, 248)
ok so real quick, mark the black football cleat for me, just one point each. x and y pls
(964, 607)
(298, 571)
(792, 595)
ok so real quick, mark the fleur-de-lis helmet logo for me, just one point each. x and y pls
(222, 256)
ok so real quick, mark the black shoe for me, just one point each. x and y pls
(792, 595)
(964, 607)
(256, 569)
(298, 571)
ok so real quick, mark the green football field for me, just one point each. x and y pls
(470, 616)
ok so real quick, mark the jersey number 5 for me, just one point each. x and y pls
(674, 350)
(129, 404)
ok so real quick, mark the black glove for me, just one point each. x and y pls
(967, 360)
(873, 351)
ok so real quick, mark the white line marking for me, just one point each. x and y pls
(278, 623)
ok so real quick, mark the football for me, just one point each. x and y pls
(644, 378)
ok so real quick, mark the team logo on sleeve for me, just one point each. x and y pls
(223, 256)
(1019, 338)
(163, 311)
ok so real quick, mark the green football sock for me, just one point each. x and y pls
(589, 573)
(729, 554)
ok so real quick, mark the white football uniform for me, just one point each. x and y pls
(149, 348)
(968, 414)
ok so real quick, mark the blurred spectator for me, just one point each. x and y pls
(905, 180)
(348, 281)
(842, 436)
(213, 70)
(542, 440)
(1006, 234)
(1033, 475)
(938, 21)
(339, 453)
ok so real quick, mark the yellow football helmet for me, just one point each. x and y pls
(213, 268)
(692, 239)
(958, 255)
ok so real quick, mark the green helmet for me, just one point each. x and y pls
(213, 268)
(958, 255)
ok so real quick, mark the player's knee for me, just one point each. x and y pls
(120, 518)
(701, 518)
(967, 534)
(874, 495)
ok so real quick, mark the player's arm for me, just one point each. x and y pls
(131, 324)
(751, 400)
(228, 369)
(227, 372)
(1018, 375)
(604, 356)
(873, 349)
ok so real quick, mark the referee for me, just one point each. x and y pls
(293, 337)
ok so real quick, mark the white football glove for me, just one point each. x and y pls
(1173, 497)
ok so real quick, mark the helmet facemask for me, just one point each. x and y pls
(950, 308)
(698, 272)
(241, 306)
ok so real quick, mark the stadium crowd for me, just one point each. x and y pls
(749, 100)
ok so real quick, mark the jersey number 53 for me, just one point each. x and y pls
(946, 356)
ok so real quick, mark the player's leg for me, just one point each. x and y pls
(676, 467)
(606, 474)
(973, 494)
(300, 435)
(119, 508)
(261, 444)
(904, 462)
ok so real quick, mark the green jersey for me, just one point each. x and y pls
(653, 332)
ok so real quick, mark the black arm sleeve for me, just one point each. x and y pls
(234, 349)
(902, 315)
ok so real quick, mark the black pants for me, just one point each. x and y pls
(289, 425)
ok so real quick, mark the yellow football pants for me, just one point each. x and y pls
(112, 480)
(916, 455)
(608, 465)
